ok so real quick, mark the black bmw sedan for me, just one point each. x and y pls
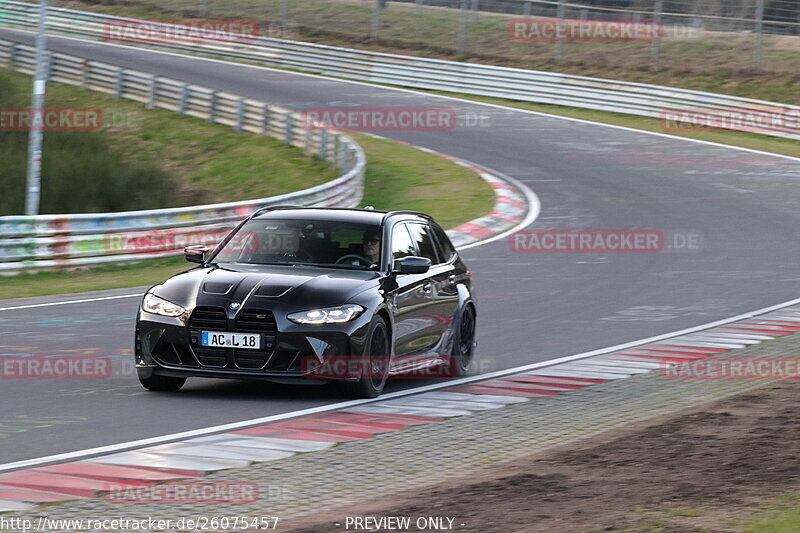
(313, 295)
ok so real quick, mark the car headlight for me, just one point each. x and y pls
(327, 315)
(160, 306)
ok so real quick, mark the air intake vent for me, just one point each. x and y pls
(256, 321)
(209, 319)
(211, 287)
(272, 290)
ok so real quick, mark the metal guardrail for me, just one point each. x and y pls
(53, 240)
(422, 73)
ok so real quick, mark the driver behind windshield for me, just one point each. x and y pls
(371, 246)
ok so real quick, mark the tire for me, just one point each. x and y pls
(158, 383)
(463, 344)
(377, 351)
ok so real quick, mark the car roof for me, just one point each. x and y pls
(359, 216)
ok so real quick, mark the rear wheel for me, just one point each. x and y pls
(158, 383)
(463, 344)
(374, 364)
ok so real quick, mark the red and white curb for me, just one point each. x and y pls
(273, 441)
(510, 210)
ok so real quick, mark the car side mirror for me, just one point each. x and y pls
(412, 265)
(195, 254)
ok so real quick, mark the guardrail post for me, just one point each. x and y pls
(212, 106)
(323, 144)
(462, 27)
(418, 8)
(309, 149)
(526, 9)
(86, 69)
(655, 50)
(120, 83)
(559, 44)
(759, 33)
(184, 97)
(48, 66)
(265, 119)
(376, 20)
(151, 98)
(287, 130)
(345, 156)
(12, 55)
(284, 14)
(337, 150)
(240, 115)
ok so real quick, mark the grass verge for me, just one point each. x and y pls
(81, 279)
(402, 177)
(780, 515)
(143, 159)
(398, 177)
(78, 157)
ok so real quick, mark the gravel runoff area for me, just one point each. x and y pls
(530, 467)
(708, 469)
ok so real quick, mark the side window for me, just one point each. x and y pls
(402, 245)
(446, 249)
(422, 236)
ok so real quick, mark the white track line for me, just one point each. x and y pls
(126, 446)
(68, 302)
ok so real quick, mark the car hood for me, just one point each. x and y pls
(257, 286)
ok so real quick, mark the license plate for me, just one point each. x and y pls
(214, 339)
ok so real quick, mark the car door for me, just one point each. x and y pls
(411, 302)
(441, 289)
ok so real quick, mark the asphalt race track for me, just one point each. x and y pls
(532, 307)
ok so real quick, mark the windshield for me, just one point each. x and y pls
(304, 242)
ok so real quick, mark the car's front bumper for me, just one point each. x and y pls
(290, 352)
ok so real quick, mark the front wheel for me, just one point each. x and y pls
(158, 383)
(374, 364)
(463, 344)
